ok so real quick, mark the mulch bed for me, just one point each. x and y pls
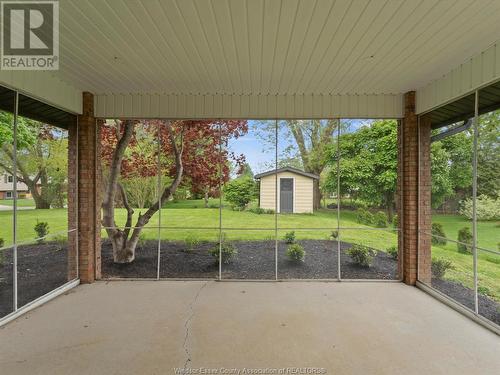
(43, 267)
(255, 260)
(487, 307)
(40, 269)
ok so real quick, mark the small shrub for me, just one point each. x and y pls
(437, 230)
(257, 210)
(191, 242)
(363, 216)
(380, 219)
(361, 255)
(239, 192)
(393, 252)
(334, 235)
(41, 230)
(464, 236)
(483, 290)
(2, 242)
(290, 237)
(395, 221)
(269, 211)
(295, 252)
(439, 267)
(227, 250)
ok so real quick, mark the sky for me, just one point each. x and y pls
(259, 154)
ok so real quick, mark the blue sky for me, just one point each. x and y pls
(260, 154)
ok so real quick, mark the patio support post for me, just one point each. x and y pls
(414, 149)
(89, 191)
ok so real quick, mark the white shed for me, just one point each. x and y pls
(295, 190)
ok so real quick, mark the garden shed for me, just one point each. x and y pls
(295, 190)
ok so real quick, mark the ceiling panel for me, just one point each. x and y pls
(269, 47)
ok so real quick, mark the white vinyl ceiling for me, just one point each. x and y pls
(269, 47)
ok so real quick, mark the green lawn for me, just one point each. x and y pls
(249, 226)
(20, 202)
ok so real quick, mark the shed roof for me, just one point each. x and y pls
(287, 169)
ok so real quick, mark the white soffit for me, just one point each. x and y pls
(480, 70)
(266, 51)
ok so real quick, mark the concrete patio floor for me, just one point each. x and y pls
(140, 327)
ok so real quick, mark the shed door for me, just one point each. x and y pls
(286, 195)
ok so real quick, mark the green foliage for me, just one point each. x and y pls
(439, 267)
(395, 221)
(368, 163)
(41, 229)
(261, 211)
(191, 242)
(239, 192)
(224, 248)
(393, 252)
(334, 235)
(380, 219)
(487, 208)
(465, 236)
(361, 255)
(60, 241)
(363, 216)
(438, 230)
(289, 237)
(295, 252)
(2, 242)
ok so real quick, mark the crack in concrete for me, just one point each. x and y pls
(187, 324)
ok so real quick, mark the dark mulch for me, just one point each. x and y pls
(40, 269)
(487, 307)
(255, 260)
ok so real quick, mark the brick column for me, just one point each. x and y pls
(415, 180)
(89, 193)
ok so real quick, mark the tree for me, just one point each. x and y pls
(189, 151)
(302, 144)
(488, 164)
(41, 159)
(368, 164)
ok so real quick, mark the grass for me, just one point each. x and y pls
(250, 226)
(20, 202)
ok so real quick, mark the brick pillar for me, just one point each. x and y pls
(415, 180)
(89, 193)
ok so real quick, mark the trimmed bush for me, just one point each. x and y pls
(289, 237)
(437, 230)
(395, 221)
(227, 250)
(465, 236)
(380, 219)
(361, 255)
(41, 230)
(393, 252)
(363, 216)
(191, 242)
(439, 267)
(334, 235)
(295, 252)
(239, 192)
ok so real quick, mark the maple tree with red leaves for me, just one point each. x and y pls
(192, 153)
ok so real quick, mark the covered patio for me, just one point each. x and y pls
(152, 328)
(181, 153)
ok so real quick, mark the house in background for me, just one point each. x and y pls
(7, 187)
(295, 190)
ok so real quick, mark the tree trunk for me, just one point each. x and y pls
(316, 195)
(205, 198)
